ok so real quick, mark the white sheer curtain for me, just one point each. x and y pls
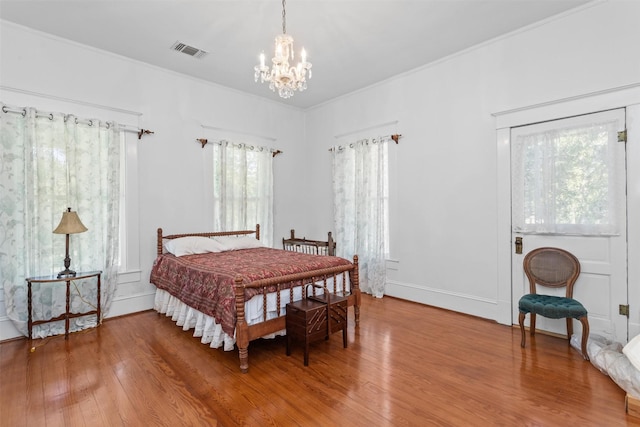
(360, 200)
(243, 188)
(52, 161)
(567, 176)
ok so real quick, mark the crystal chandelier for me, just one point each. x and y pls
(286, 79)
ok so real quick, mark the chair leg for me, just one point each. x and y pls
(532, 324)
(569, 328)
(521, 317)
(585, 336)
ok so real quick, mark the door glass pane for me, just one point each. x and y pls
(566, 175)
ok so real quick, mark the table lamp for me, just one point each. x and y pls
(69, 224)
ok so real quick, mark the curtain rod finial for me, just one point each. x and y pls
(143, 132)
(202, 141)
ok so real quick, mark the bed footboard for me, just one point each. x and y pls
(245, 333)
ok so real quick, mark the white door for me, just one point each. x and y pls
(569, 191)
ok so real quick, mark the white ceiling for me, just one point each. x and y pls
(352, 44)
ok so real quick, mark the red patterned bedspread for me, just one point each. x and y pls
(206, 281)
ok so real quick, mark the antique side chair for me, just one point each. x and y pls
(552, 268)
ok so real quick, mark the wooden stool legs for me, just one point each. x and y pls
(313, 319)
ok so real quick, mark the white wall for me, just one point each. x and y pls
(444, 223)
(171, 164)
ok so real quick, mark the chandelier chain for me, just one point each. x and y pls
(284, 18)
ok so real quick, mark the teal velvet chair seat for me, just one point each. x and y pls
(552, 268)
(551, 307)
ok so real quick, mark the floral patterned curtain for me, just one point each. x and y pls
(51, 161)
(361, 206)
(243, 188)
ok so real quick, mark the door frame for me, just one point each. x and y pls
(624, 97)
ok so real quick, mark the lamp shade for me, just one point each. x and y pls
(70, 224)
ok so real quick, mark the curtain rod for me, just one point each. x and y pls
(395, 137)
(139, 131)
(204, 141)
(49, 115)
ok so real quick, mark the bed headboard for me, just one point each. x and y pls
(316, 247)
(160, 245)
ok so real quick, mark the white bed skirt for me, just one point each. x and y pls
(207, 329)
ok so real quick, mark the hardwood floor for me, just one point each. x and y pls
(407, 364)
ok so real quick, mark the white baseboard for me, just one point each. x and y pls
(503, 313)
(7, 330)
(119, 307)
(461, 303)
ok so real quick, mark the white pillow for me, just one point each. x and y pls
(632, 351)
(192, 245)
(231, 243)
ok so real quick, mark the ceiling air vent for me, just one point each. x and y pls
(189, 50)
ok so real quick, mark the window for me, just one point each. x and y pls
(243, 188)
(566, 174)
(52, 161)
(361, 207)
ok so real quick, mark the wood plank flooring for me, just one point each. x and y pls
(406, 365)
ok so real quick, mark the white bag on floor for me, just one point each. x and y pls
(608, 357)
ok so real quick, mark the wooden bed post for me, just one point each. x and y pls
(331, 245)
(159, 242)
(355, 281)
(242, 329)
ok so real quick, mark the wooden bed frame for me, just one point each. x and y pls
(245, 332)
(307, 246)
